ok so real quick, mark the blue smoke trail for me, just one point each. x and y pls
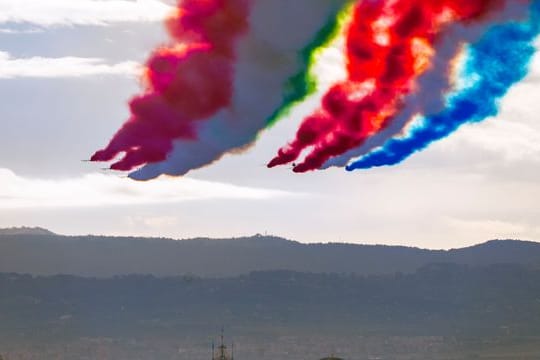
(499, 60)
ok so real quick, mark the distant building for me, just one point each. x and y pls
(221, 353)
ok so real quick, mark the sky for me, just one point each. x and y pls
(67, 68)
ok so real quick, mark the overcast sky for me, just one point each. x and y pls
(67, 68)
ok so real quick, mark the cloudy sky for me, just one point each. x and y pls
(67, 68)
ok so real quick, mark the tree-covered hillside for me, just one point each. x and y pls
(97, 256)
(443, 299)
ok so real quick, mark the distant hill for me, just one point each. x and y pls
(45, 253)
(25, 231)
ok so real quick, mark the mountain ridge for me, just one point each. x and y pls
(105, 256)
(25, 230)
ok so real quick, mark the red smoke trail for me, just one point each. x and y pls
(389, 44)
(186, 82)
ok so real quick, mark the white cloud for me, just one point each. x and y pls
(81, 12)
(508, 229)
(41, 67)
(18, 32)
(153, 222)
(501, 229)
(93, 190)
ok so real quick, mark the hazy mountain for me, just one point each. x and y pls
(33, 253)
(25, 231)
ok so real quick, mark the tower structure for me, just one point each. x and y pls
(222, 353)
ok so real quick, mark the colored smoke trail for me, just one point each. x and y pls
(187, 81)
(269, 62)
(242, 80)
(390, 44)
(434, 85)
(235, 67)
(498, 61)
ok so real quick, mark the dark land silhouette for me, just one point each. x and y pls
(130, 298)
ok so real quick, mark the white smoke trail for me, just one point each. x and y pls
(268, 56)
